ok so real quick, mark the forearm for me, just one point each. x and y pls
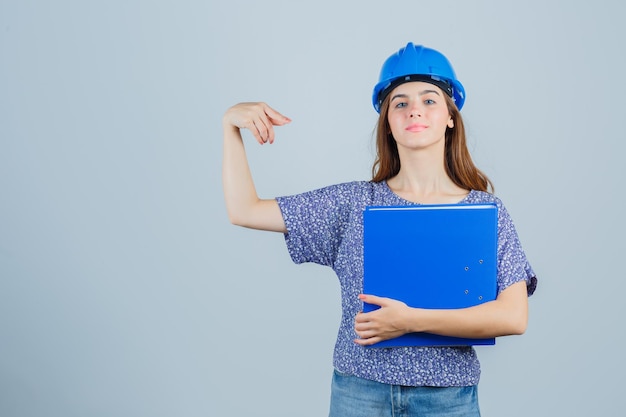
(243, 205)
(239, 190)
(507, 315)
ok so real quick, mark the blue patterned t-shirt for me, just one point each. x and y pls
(325, 226)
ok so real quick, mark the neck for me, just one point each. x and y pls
(423, 179)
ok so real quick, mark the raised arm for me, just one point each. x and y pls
(243, 205)
(506, 315)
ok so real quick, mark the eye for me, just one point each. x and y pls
(400, 105)
(429, 101)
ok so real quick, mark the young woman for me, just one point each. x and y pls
(422, 158)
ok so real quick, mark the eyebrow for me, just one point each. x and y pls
(421, 93)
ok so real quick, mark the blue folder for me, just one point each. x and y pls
(431, 256)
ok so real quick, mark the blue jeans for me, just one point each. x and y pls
(352, 396)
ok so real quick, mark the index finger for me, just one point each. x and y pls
(276, 118)
(371, 299)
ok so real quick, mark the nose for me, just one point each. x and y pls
(415, 111)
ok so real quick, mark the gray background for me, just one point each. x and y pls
(124, 291)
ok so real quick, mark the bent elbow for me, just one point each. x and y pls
(241, 212)
(518, 326)
(236, 219)
(260, 215)
(236, 214)
(519, 330)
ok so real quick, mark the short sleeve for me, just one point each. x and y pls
(315, 222)
(512, 263)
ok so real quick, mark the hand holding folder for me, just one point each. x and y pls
(431, 256)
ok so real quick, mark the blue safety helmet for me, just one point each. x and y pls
(417, 63)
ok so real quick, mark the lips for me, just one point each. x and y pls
(416, 127)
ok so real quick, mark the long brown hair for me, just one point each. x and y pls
(458, 162)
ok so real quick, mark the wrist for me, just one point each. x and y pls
(416, 320)
(230, 130)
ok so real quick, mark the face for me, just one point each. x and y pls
(418, 115)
